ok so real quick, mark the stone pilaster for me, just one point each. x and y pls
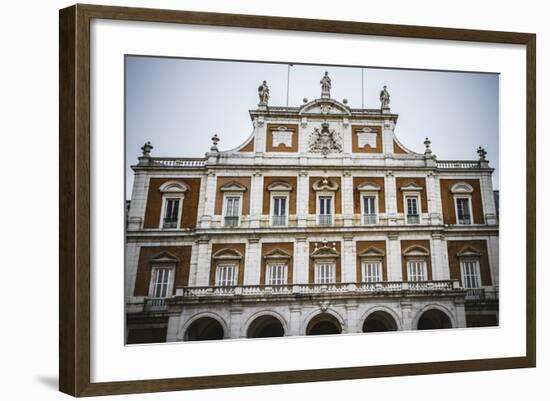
(235, 325)
(394, 258)
(347, 194)
(136, 214)
(256, 199)
(391, 198)
(173, 327)
(387, 137)
(203, 262)
(348, 260)
(407, 315)
(488, 197)
(295, 320)
(352, 324)
(493, 248)
(434, 199)
(302, 198)
(460, 313)
(209, 200)
(440, 262)
(252, 262)
(301, 259)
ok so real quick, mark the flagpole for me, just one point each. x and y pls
(288, 83)
(362, 88)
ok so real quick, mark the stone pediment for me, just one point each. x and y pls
(325, 250)
(368, 186)
(416, 250)
(233, 186)
(371, 252)
(165, 257)
(325, 107)
(277, 254)
(462, 188)
(227, 254)
(411, 186)
(281, 186)
(468, 251)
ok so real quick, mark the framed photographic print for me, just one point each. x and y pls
(252, 200)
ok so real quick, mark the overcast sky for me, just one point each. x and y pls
(178, 104)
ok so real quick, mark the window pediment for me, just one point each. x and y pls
(372, 252)
(325, 184)
(368, 187)
(280, 186)
(325, 251)
(174, 187)
(411, 186)
(277, 254)
(227, 254)
(233, 186)
(165, 258)
(468, 251)
(462, 188)
(416, 250)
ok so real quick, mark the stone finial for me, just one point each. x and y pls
(146, 149)
(263, 94)
(427, 143)
(326, 84)
(345, 101)
(305, 100)
(482, 153)
(215, 139)
(384, 98)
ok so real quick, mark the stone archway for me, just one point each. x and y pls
(204, 328)
(434, 319)
(265, 326)
(379, 321)
(323, 323)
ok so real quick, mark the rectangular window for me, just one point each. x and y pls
(232, 205)
(171, 212)
(412, 210)
(372, 272)
(416, 270)
(463, 211)
(369, 210)
(470, 274)
(226, 276)
(325, 210)
(279, 211)
(277, 274)
(326, 273)
(161, 279)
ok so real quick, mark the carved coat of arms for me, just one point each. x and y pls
(325, 141)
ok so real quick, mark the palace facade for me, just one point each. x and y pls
(321, 222)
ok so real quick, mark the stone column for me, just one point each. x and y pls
(493, 248)
(488, 198)
(301, 265)
(173, 327)
(348, 260)
(209, 199)
(256, 199)
(302, 198)
(294, 321)
(352, 323)
(136, 214)
(252, 262)
(347, 201)
(235, 325)
(203, 262)
(394, 258)
(440, 263)
(391, 198)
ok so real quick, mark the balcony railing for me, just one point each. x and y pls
(369, 219)
(465, 220)
(169, 223)
(413, 219)
(457, 164)
(155, 304)
(418, 287)
(278, 221)
(231, 221)
(325, 219)
(481, 295)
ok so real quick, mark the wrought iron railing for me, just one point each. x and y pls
(325, 219)
(170, 223)
(155, 304)
(413, 219)
(464, 220)
(278, 220)
(369, 219)
(231, 221)
(481, 295)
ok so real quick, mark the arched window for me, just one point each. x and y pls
(173, 194)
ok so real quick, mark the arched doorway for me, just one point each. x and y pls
(324, 323)
(265, 326)
(434, 319)
(379, 321)
(204, 328)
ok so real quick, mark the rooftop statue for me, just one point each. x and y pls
(326, 84)
(384, 98)
(263, 93)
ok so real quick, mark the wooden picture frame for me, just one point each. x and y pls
(74, 204)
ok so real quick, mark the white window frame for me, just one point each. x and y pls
(172, 190)
(463, 262)
(363, 214)
(424, 269)
(227, 195)
(270, 267)
(364, 267)
(332, 207)
(318, 266)
(469, 199)
(170, 285)
(220, 266)
(412, 195)
(274, 195)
